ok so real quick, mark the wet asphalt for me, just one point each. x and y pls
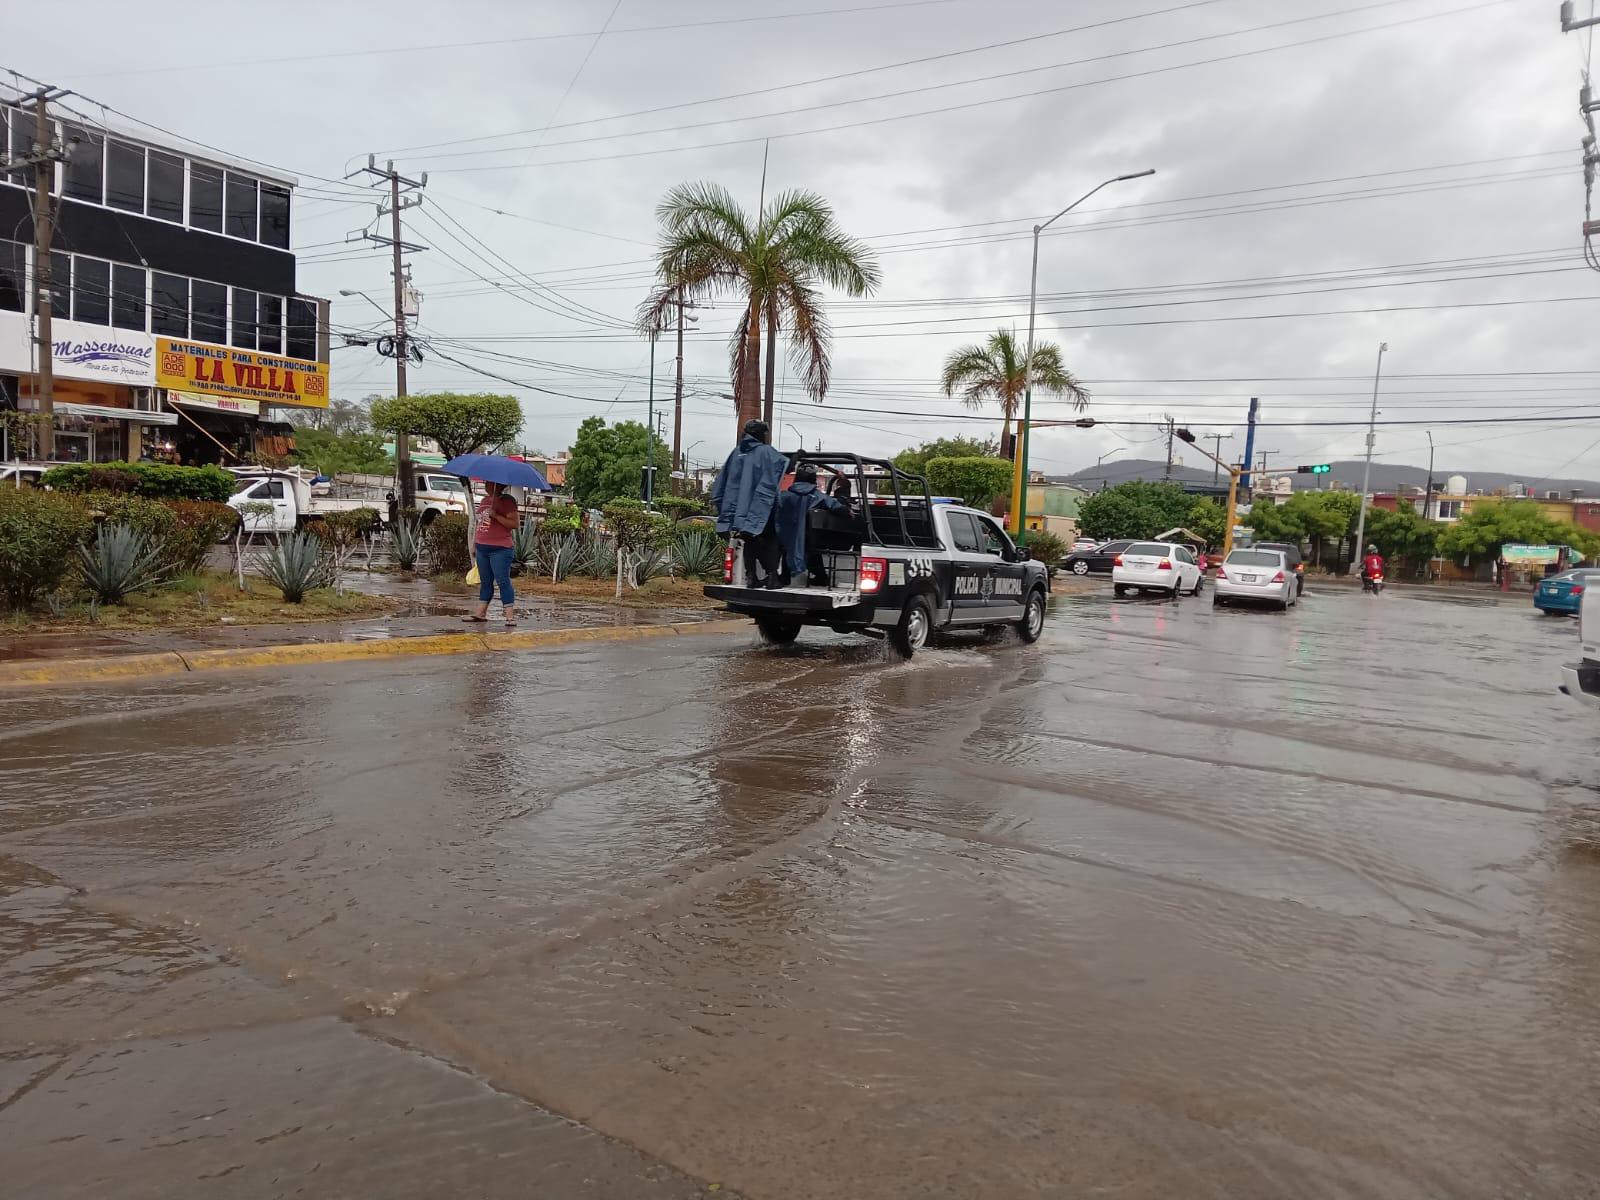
(1177, 903)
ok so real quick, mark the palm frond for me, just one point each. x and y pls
(1050, 375)
(972, 370)
(811, 339)
(707, 204)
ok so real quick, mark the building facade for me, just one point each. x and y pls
(175, 312)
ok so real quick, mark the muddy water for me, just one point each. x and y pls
(1177, 903)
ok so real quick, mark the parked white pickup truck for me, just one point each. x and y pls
(1581, 680)
(294, 501)
(437, 493)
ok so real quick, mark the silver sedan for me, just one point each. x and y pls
(1262, 575)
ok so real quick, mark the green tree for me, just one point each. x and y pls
(1320, 517)
(993, 373)
(460, 422)
(1207, 517)
(1402, 535)
(776, 263)
(1135, 509)
(915, 460)
(1493, 523)
(332, 453)
(976, 480)
(607, 461)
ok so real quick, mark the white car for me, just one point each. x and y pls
(1157, 567)
(1264, 575)
(1581, 680)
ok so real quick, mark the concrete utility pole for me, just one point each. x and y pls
(402, 341)
(650, 435)
(1216, 459)
(1372, 425)
(1171, 425)
(677, 392)
(1427, 491)
(45, 153)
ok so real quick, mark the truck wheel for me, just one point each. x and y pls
(778, 629)
(1032, 623)
(910, 634)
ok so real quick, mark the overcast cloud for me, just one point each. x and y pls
(1432, 84)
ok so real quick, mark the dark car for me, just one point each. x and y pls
(1292, 553)
(1098, 561)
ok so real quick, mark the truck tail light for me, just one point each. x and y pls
(873, 572)
(1278, 578)
(727, 564)
(1117, 561)
(1164, 565)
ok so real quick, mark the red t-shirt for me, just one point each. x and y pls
(492, 533)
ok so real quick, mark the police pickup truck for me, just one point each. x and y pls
(895, 563)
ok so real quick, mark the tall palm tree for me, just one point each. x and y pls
(994, 372)
(776, 263)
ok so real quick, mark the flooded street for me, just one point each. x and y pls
(1177, 903)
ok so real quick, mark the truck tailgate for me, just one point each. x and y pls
(789, 599)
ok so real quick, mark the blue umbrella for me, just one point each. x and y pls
(497, 468)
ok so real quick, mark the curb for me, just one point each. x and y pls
(111, 668)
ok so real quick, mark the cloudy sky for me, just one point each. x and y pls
(1330, 174)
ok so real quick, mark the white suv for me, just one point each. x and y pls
(1157, 567)
(1581, 680)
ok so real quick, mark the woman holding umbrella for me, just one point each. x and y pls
(497, 519)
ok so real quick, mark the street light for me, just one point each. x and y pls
(797, 434)
(1108, 454)
(347, 292)
(1019, 488)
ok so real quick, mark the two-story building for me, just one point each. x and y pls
(175, 311)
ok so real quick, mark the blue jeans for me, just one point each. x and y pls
(494, 566)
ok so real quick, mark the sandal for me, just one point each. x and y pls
(471, 620)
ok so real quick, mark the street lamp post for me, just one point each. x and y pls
(1372, 422)
(1108, 454)
(1019, 486)
(650, 437)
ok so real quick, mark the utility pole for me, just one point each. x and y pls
(1171, 425)
(1427, 491)
(1250, 442)
(1372, 426)
(42, 157)
(402, 341)
(1216, 459)
(677, 391)
(650, 436)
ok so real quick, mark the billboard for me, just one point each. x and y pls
(206, 370)
(94, 353)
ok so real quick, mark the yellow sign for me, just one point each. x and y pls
(242, 374)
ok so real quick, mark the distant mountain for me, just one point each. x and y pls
(1386, 477)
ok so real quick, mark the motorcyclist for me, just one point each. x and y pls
(1371, 566)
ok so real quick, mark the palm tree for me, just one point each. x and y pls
(993, 372)
(776, 264)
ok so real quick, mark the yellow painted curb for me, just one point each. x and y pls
(126, 666)
(91, 670)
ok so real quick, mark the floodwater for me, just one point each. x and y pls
(1177, 903)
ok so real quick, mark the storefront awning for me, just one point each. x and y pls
(227, 404)
(106, 412)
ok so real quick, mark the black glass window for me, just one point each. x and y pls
(60, 284)
(86, 165)
(210, 308)
(302, 330)
(244, 319)
(125, 176)
(205, 197)
(269, 324)
(241, 221)
(127, 297)
(165, 199)
(22, 125)
(91, 291)
(274, 216)
(169, 305)
(13, 286)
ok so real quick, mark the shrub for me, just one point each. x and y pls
(448, 552)
(679, 507)
(37, 533)
(150, 519)
(597, 557)
(525, 544)
(295, 566)
(568, 518)
(698, 551)
(341, 530)
(407, 547)
(121, 561)
(198, 525)
(158, 480)
(1045, 546)
(564, 555)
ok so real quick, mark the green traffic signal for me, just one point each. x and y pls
(1314, 469)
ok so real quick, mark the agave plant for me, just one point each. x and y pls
(697, 553)
(564, 554)
(294, 566)
(525, 544)
(121, 562)
(407, 543)
(648, 563)
(598, 559)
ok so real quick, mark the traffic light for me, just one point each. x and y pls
(1314, 469)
